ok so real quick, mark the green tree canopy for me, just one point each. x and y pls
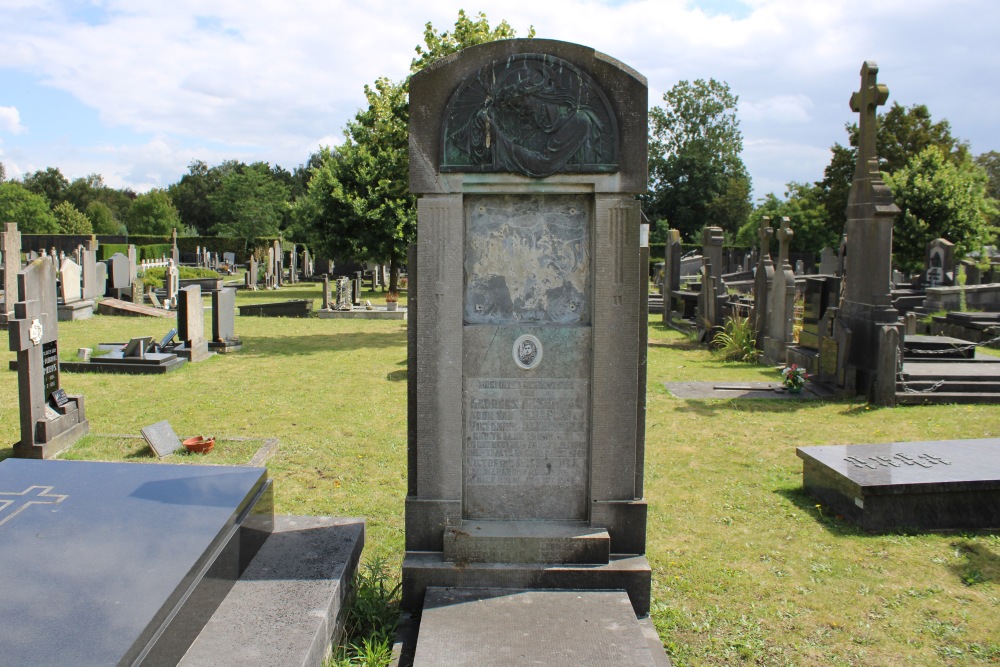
(29, 210)
(152, 213)
(70, 220)
(49, 183)
(249, 203)
(803, 206)
(697, 176)
(939, 197)
(102, 219)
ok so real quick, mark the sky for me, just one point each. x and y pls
(136, 91)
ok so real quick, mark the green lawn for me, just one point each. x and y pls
(747, 569)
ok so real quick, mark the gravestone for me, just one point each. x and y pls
(780, 301)
(821, 292)
(279, 265)
(229, 258)
(161, 438)
(172, 283)
(121, 563)
(827, 262)
(119, 276)
(270, 282)
(251, 277)
(356, 290)
(867, 301)
(944, 485)
(133, 265)
(711, 299)
(191, 325)
(293, 265)
(763, 277)
(88, 263)
(344, 291)
(940, 264)
(527, 403)
(10, 247)
(671, 273)
(51, 420)
(307, 264)
(224, 337)
(175, 253)
(326, 291)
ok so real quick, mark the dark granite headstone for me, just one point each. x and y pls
(948, 484)
(120, 563)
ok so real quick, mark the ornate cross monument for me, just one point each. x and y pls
(762, 280)
(527, 348)
(867, 299)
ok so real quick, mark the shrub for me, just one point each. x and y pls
(736, 341)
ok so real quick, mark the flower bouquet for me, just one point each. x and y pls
(794, 378)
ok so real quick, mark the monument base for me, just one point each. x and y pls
(624, 572)
(78, 310)
(475, 626)
(945, 485)
(56, 434)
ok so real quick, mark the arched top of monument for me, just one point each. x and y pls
(532, 108)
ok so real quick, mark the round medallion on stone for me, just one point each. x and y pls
(527, 352)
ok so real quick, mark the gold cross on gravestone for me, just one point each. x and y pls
(865, 102)
(13, 503)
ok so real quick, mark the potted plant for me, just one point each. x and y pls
(391, 301)
(793, 378)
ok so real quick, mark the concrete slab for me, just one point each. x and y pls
(379, 313)
(287, 606)
(119, 307)
(494, 626)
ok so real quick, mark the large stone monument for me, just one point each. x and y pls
(780, 301)
(866, 305)
(763, 275)
(527, 326)
(51, 420)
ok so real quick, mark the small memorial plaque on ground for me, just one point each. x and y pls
(161, 438)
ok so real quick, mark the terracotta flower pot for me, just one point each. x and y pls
(199, 444)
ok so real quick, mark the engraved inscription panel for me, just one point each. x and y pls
(527, 259)
(526, 448)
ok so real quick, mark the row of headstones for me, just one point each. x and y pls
(274, 275)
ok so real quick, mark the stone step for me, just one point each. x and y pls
(470, 627)
(962, 386)
(937, 347)
(526, 542)
(289, 603)
(940, 397)
(953, 370)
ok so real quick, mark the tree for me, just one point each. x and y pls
(152, 213)
(30, 211)
(102, 219)
(358, 199)
(900, 134)
(803, 206)
(50, 184)
(250, 203)
(70, 220)
(939, 198)
(191, 195)
(697, 176)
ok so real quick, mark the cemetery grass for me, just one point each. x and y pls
(747, 569)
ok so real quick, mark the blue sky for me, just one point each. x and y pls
(137, 90)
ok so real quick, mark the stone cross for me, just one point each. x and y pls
(10, 246)
(764, 233)
(785, 235)
(762, 280)
(175, 253)
(865, 102)
(13, 503)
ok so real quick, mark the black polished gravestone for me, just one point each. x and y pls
(120, 563)
(943, 485)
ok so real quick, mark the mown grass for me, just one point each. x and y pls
(747, 568)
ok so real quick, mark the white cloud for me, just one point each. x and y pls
(273, 81)
(10, 120)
